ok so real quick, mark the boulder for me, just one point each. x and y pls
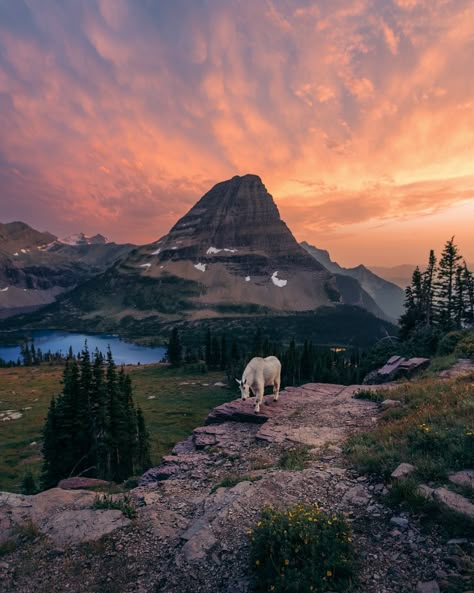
(402, 471)
(77, 526)
(427, 587)
(454, 502)
(463, 478)
(81, 483)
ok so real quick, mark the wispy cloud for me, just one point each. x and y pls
(116, 115)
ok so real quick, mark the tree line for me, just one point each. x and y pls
(439, 299)
(300, 362)
(32, 356)
(93, 427)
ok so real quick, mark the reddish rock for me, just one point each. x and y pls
(80, 483)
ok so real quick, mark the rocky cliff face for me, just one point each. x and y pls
(234, 243)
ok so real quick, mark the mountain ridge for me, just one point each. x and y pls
(388, 296)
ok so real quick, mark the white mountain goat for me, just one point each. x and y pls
(258, 373)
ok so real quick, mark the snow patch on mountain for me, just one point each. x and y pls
(200, 267)
(278, 281)
(145, 266)
(156, 252)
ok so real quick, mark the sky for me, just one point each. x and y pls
(116, 116)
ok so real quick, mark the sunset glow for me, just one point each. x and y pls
(358, 115)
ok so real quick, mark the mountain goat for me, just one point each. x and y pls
(258, 373)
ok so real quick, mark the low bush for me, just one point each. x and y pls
(124, 504)
(233, 480)
(301, 550)
(373, 396)
(294, 459)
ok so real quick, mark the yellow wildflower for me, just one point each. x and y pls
(287, 562)
(329, 573)
(257, 562)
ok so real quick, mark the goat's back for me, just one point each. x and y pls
(268, 368)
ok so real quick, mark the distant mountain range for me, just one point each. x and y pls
(231, 257)
(399, 275)
(388, 296)
(35, 267)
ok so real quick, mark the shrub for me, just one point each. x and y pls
(465, 347)
(28, 484)
(232, 480)
(449, 341)
(373, 396)
(124, 504)
(301, 550)
(294, 459)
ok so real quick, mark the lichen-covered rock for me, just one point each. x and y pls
(454, 502)
(402, 471)
(78, 526)
(463, 478)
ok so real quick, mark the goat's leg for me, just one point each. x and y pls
(276, 389)
(258, 398)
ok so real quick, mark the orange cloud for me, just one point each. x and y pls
(116, 116)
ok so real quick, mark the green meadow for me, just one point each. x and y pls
(174, 402)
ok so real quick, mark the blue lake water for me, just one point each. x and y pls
(58, 341)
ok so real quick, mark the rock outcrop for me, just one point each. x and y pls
(396, 367)
(195, 509)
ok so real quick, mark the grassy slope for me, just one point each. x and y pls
(176, 410)
(433, 429)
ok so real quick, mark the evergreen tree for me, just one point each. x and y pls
(468, 280)
(93, 425)
(51, 472)
(224, 356)
(428, 289)
(143, 443)
(446, 298)
(414, 305)
(175, 352)
(208, 347)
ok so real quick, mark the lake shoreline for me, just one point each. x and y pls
(125, 351)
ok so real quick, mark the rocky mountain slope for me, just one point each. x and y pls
(36, 267)
(388, 296)
(230, 256)
(190, 535)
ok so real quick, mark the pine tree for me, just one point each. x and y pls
(51, 473)
(143, 443)
(414, 305)
(93, 425)
(428, 289)
(447, 271)
(175, 352)
(208, 354)
(468, 280)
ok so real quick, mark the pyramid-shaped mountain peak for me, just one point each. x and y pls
(235, 245)
(237, 215)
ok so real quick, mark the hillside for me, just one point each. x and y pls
(196, 510)
(36, 267)
(388, 296)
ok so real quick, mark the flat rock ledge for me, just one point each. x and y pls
(194, 510)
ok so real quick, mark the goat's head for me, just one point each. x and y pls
(244, 388)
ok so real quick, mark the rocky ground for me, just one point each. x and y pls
(190, 532)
